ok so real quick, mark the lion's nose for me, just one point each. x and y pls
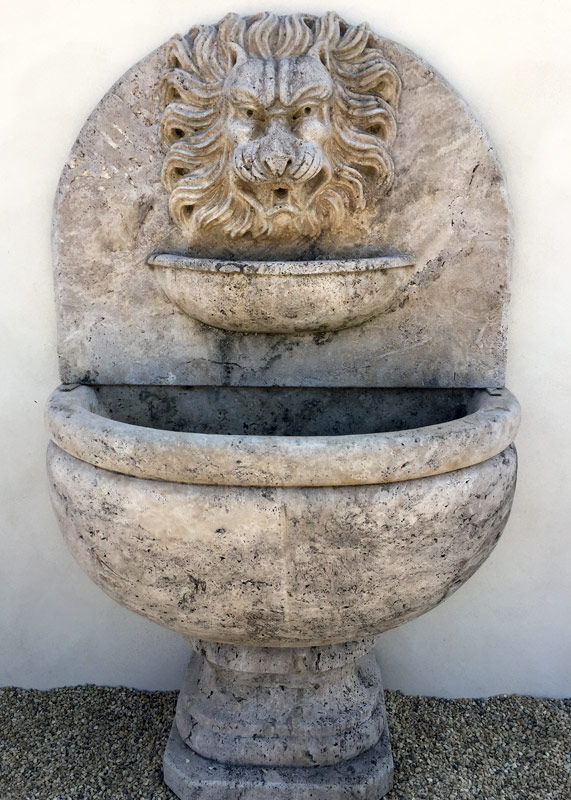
(276, 163)
(277, 148)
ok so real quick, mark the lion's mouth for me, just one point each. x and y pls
(272, 199)
(286, 198)
(281, 195)
(282, 200)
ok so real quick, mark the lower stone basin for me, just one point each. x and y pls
(281, 517)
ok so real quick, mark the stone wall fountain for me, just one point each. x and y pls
(282, 267)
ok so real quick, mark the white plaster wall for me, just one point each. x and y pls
(509, 629)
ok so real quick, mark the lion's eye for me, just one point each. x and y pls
(305, 111)
(252, 114)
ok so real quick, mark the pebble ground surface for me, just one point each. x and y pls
(93, 743)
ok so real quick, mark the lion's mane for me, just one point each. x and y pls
(197, 168)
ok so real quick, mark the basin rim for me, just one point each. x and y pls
(241, 460)
(282, 268)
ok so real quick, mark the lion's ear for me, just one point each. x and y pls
(238, 53)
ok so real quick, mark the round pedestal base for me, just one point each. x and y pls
(367, 777)
(280, 723)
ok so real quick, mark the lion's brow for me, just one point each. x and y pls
(320, 90)
(244, 96)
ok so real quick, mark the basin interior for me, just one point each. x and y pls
(279, 411)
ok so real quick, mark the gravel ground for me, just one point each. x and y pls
(91, 743)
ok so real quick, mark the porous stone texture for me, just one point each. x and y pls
(447, 207)
(282, 566)
(367, 777)
(272, 723)
(320, 210)
(249, 437)
(283, 297)
(274, 707)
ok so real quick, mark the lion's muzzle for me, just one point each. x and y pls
(278, 156)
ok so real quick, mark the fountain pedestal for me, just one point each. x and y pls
(261, 722)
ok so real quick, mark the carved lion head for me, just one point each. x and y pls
(273, 119)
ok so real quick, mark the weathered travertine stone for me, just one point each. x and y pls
(218, 437)
(307, 543)
(368, 777)
(313, 711)
(283, 297)
(447, 208)
(326, 220)
(275, 722)
(274, 126)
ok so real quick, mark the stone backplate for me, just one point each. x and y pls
(448, 207)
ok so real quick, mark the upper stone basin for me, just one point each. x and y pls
(281, 517)
(282, 296)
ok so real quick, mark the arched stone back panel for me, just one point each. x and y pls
(446, 205)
